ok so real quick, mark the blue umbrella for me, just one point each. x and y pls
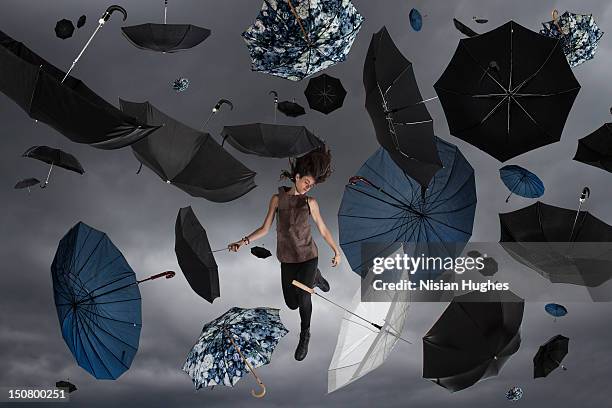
(383, 207)
(297, 38)
(98, 302)
(416, 20)
(521, 182)
(233, 344)
(555, 310)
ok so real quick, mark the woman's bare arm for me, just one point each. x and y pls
(327, 236)
(261, 231)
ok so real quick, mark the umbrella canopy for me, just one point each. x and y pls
(263, 139)
(27, 183)
(402, 123)
(260, 252)
(233, 344)
(521, 182)
(55, 157)
(325, 93)
(70, 387)
(507, 91)
(555, 309)
(578, 33)
(291, 109)
(296, 38)
(463, 29)
(596, 148)
(70, 107)
(543, 223)
(64, 29)
(82, 20)
(165, 38)
(514, 394)
(194, 255)
(416, 20)
(189, 159)
(361, 348)
(383, 206)
(98, 302)
(550, 355)
(473, 339)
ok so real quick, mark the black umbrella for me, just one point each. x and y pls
(550, 355)
(165, 37)
(68, 386)
(325, 93)
(195, 256)
(291, 109)
(82, 21)
(27, 183)
(71, 107)
(189, 159)
(464, 29)
(596, 148)
(260, 252)
(64, 29)
(507, 91)
(268, 140)
(402, 123)
(586, 265)
(54, 157)
(473, 339)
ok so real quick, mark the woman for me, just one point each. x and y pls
(295, 248)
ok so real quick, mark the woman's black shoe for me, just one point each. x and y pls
(302, 347)
(321, 282)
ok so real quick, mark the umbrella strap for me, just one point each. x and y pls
(299, 20)
(251, 368)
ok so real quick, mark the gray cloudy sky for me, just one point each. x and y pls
(138, 211)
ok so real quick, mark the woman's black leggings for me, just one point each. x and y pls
(305, 272)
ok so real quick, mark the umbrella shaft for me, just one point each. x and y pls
(83, 50)
(208, 120)
(49, 174)
(228, 334)
(165, 10)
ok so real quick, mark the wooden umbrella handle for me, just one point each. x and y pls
(259, 381)
(303, 287)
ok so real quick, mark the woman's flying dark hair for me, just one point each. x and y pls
(316, 164)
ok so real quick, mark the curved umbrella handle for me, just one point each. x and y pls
(263, 390)
(109, 11)
(167, 275)
(356, 179)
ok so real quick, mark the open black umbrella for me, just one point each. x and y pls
(550, 355)
(507, 91)
(402, 123)
(54, 157)
(463, 29)
(195, 256)
(596, 148)
(473, 339)
(291, 109)
(534, 236)
(64, 29)
(325, 93)
(27, 183)
(70, 107)
(267, 140)
(165, 37)
(260, 252)
(189, 159)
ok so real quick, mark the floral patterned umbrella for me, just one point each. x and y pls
(297, 38)
(234, 344)
(578, 33)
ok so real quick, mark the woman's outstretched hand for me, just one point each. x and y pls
(235, 246)
(336, 260)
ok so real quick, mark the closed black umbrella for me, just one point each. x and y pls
(291, 109)
(189, 159)
(54, 157)
(325, 93)
(596, 148)
(260, 252)
(195, 256)
(267, 140)
(402, 123)
(527, 232)
(463, 29)
(69, 107)
(550, 355)
(507, 91)
(473, 339)
(68, 386)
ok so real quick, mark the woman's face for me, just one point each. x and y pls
(304, 184)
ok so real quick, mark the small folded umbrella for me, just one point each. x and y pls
(416, 19)
(555, 310)
(521, 182)
(596, 148)
(68, 386)
(267, 140)
(325, 93)
(54, 157)
(260, 252)
(27, 183)
(480, 20)
(291, 109)
(165, 37)
(64, 29)
(195, 256)
(514, 394)
(464, 29)
(82, 21)
(234, 344)
(550, 355)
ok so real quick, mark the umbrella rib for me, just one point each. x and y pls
(98, 340)
(78, 322)
(372, 236)
(93, 322)
(75, 254)
(485, 71)
(519, 86)
(399, 193)
(400, 206)
(90, 254)
(84, 325)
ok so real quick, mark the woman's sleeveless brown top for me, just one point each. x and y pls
(294, 241)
